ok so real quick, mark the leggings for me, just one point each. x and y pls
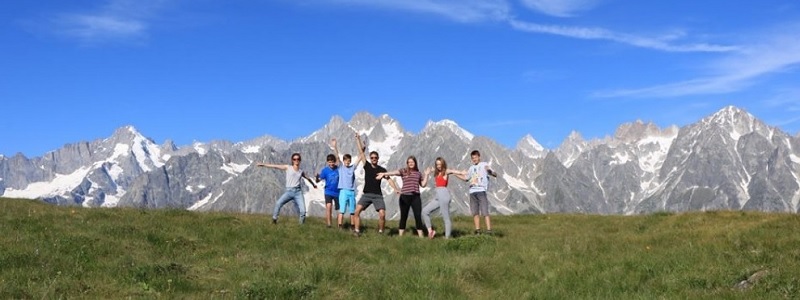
(413, 201)
(442, 201)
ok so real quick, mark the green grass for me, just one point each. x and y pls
(63, 252)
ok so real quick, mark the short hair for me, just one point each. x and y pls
(331, 157)
(347, 156)
(296, 154)
(475, 152)
(374, 152)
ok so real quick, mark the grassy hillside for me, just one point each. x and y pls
(61, 252)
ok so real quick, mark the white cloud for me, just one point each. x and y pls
(734, 72)
(116, 20)
(461, 11)
(589, 33)
(473, 11)
(560, 8)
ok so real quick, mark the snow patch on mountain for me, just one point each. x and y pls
(651, 161)
(385, 149)
(251, 149)
(199, 148)
(62, 184)
(234, 169)
(202, 202)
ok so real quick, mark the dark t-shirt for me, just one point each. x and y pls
(372, 185)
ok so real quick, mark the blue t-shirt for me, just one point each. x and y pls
(331, 178)
(348, 177)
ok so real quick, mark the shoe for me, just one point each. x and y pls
(489, 232)
(329, 225)
(477, 231)
(274, 221)
(340, 226)
(357, 233)
(431, 234)
(380, 231)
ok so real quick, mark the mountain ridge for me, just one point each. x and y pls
(727, 160)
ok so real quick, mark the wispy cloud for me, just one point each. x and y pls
(474, 11)
(115, 21)
(467, 11)
(560, 8)
(587, 33)
(733, 72)
(786, 99)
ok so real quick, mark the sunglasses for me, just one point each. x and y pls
(373, 157)
(295, 159)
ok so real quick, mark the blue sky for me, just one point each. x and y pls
(210, 69)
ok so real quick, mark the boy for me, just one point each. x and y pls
(478, 177)
(331, 176)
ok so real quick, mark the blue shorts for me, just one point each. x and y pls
(347, 201)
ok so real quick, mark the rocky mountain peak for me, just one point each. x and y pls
(450, 125)
(530, 147)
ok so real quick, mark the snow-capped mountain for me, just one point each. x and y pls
(530, 147)
(89, 174)
(729, 160)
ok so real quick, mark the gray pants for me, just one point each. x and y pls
(441, 202)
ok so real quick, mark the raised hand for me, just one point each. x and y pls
(428, 171)
(333, 143)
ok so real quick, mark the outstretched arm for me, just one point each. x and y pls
(459, 174)
(279, 167)
(387, 174)
(309, 180)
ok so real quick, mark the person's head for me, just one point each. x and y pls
(476, 156)
(441, 166)
(373, 157)
(346, 159)
(331, 159)
(411, 163)
(296, 159)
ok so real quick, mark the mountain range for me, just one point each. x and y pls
(727, 161)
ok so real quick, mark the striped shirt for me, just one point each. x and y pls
(411, 181)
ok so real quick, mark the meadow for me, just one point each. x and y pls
(51, 252)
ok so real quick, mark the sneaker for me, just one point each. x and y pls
(477, 231)
(357, 233)
(329, 225)
(274, 221)
(380, 231)
(340, 226)
(431, 234)
(489, 232)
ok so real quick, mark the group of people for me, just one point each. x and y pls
(340, 190)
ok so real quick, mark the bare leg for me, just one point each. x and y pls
(328, 208)
(357, 218)
(477, 220)
(381, 220)
(488, 223)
